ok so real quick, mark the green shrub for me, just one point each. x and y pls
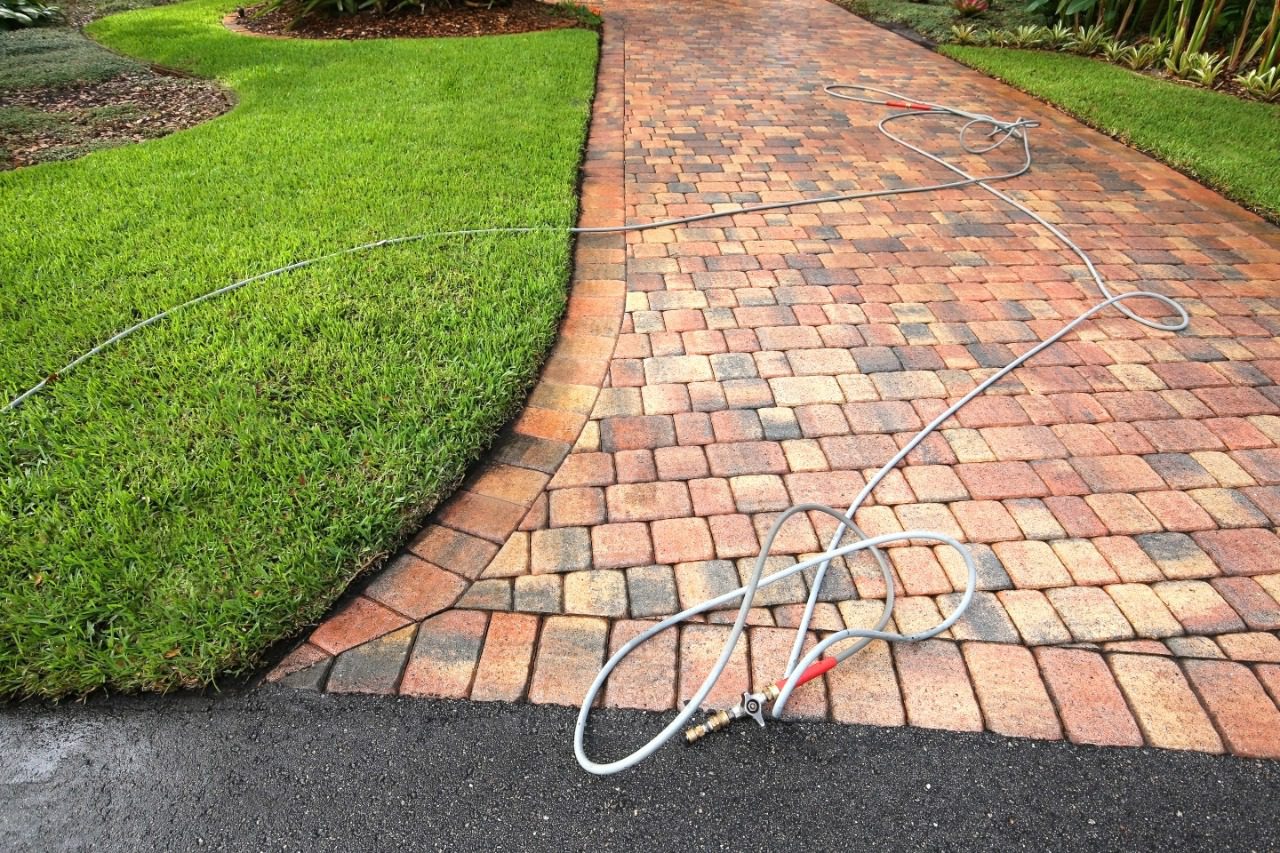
(1026, 36)
(26, 13)
(1263, 86)
(965, 34)
(1088, 42)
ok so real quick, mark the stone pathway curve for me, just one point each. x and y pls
(1121, 493)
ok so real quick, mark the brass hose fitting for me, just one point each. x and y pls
(714, 723)
(752, 705)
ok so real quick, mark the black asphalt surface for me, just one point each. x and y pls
(284, 770)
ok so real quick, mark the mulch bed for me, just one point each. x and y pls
(521, 16)
(130, 107)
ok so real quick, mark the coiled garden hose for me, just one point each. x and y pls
(800, 667)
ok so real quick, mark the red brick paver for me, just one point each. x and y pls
(1121, 492)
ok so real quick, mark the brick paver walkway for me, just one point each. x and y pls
(1121, 493)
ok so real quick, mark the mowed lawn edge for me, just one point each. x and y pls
(176, 505)
(1225, 142)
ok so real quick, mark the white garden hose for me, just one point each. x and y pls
(799, 668)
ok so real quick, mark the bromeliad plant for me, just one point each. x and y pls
(1194, 40)
(26, 13)
(1265, 86)
(1238, 29)
(967, 34)
(969, 8)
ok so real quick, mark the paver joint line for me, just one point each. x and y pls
(1128, 483)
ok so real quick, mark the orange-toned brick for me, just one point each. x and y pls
(570, 654)
(1009, 689)
(646, 678)
(863, 688)
(700, 648)
(1198, 607)
(444, 655)
(415, 588)
(1087, 697)
(1032, 565)
(504, 664)
(770, 648)
(935, 686)
(1166, 709)
(354, 623)
(1247, 718)
(1259, 610)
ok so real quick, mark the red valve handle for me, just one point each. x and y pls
(814, 670)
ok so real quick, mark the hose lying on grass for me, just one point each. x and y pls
(993, 133)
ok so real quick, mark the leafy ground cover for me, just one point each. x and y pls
(934, 18)
(64, 95)
(1225, 142)
(173, 507)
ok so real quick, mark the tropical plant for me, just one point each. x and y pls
(1087, 41)
(1265, 86)
(964, 34)
(1205, 68)
(1232, 27)
(26, 13)
(1114, 51)
(1179, 63)
(969, 8)
(1001, 38)
(1058, 35)
(1026, 36)
(1140, 57)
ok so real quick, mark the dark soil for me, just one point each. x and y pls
(63, 122)
(521, 16)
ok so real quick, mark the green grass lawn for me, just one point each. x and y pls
(174, 506)
(1228, 143)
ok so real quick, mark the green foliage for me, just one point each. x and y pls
(53, 56)
(204, 489)
(1265, 86)
(966, 34)
(1088, 41)
(1206, 67)
(26, 13)
(1057, 36)
(580, 13)
(1140, 57)
(934, 18)
(1215, 137)
(1114, 51)
(1027, 36)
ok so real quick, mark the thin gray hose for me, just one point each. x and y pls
(1000, 132)
(523, 229)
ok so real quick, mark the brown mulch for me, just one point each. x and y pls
(130, 107)
(458, 19)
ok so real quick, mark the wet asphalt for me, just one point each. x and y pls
(275, 769)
